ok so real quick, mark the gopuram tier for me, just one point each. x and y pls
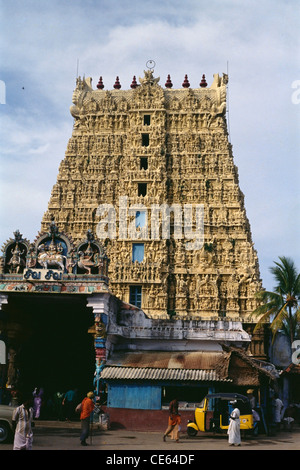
(137, 166)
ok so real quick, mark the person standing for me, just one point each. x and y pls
(256, 420)
(87, 408)
(277, 410)
(250, 394)
(14, 396)
(173, 421)
(234, 431)
(37, 401)
(68, 404)
(22, 422)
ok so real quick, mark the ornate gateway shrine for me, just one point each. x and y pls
(145, 240)
(51, 275)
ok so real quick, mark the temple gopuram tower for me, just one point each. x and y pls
(147, 156)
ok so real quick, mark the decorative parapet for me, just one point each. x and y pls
(10, 284)
(87, 101)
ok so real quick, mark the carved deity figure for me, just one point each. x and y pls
(16, 263)
(51, 256)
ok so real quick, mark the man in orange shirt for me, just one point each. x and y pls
(87, 407)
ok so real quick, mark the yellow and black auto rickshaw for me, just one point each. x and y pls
(214, 411)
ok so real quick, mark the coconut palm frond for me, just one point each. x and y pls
(288, 280)
(264, 318)
(279, 322)
(296, 324)
(291, 323)
(270, 302)
(281, 306)
(285, 274)
(268, 296)
(297, 286)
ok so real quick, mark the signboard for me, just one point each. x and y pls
(42, 275)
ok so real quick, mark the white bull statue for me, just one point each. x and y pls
(51, 259)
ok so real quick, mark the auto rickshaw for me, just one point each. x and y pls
(214, 411)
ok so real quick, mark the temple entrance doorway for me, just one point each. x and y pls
(54, 350)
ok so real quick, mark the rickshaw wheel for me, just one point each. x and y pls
(191, 432)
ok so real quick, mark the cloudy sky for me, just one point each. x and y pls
(45, 43)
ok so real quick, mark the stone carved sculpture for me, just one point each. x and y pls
(16, 262)
(148, 78)
(86, 260)
(15, 251)
(91, 256)
(49, 249)
(51, 256)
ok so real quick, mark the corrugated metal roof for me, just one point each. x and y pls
(149, 373)
(205, 360)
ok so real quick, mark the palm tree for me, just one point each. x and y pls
(281, 307)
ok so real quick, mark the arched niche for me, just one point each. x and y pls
(14, 256)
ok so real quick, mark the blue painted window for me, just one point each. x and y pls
(136, 296)
(138, 252)
(140, 219)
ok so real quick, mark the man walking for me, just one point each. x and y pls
(173, 421)
(87, 407)
(234, 433)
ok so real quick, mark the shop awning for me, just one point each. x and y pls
(163, 365)
(145, 373)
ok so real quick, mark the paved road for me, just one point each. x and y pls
(65, 436)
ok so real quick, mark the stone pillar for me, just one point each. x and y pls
(100, 305)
